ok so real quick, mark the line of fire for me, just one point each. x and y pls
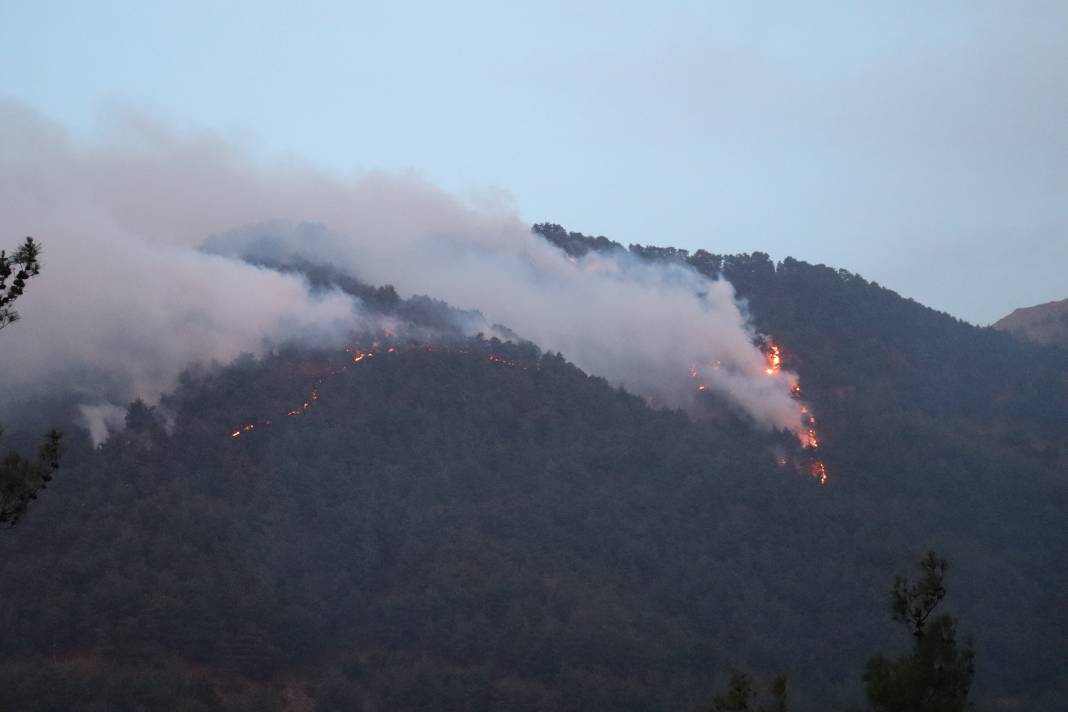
(360, 355)
(810, 441)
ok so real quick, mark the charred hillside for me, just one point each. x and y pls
(471, 524)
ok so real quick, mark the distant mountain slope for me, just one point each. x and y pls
(1043, 323)
(472, 524)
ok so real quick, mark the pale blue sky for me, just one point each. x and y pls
(924, 145)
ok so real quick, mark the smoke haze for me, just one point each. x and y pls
(145, 232)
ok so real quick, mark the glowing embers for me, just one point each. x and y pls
(359, 355)
(810, 439)
(819, 472)
(805, 430)
(501, 361)
(694, 375)
(697, 377)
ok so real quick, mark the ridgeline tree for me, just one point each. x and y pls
(937, 674)
(22, 478)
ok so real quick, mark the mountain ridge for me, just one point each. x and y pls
(442, 528)
(1045, 323)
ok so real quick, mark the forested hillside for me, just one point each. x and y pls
(461, 523)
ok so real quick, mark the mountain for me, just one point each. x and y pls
(469, 523)
(1043, 323)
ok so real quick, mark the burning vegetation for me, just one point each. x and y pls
(808, 460)
(810, 441)
(359, 355)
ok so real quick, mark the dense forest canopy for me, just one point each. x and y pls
(469, 523)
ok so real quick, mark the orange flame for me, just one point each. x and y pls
(774, 358)
(809, 438)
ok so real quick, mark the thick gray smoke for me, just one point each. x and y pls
(126, 290)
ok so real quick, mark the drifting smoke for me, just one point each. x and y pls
(102, 420)
(127, 290)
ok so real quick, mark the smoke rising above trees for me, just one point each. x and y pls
(132, 298)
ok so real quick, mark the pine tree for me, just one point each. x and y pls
(937, 674)
(22, 478)
(19, 268)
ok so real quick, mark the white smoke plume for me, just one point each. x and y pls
(125, 291)
(102, 419)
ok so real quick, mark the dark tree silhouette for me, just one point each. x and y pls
(937, 674)
(19, 268)
(22, 478)
(740, 696)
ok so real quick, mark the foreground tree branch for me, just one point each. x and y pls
(19, 268)
(22, 478)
